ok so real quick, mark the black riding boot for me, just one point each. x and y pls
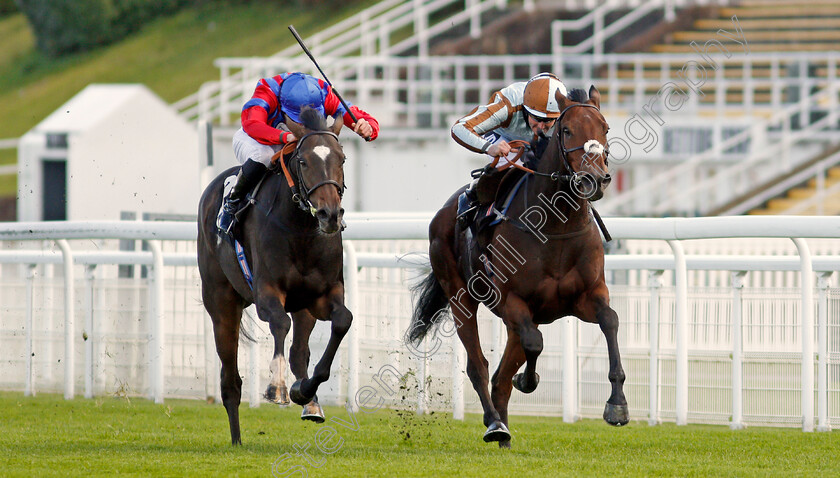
(249, 175)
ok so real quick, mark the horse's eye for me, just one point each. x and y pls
(302, 163)
(566, 131)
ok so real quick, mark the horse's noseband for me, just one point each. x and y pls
(300, 192)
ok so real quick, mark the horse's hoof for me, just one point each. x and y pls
(616, 414)
(296, 395)
(505, 444)
(312, 411)
(497, 431)
(519, 382)
(278, 395)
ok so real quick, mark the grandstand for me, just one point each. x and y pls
(752, 87)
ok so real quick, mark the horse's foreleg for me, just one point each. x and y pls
(303, 390)
(304, 322)
(512, 359)
(615, 412)
(270, 307)
(517, 316)
(277, 391)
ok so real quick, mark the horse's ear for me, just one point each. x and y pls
(336, 126)
(297, 129)
(594, 97)
(562, 101)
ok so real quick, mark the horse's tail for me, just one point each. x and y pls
(430, 301)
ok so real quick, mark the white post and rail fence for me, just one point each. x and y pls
(673, 324)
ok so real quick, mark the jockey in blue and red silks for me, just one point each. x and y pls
(277, 100)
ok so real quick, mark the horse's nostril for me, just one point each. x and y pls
(322, 214)
(606, 180)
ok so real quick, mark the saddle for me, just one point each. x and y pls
(498, 193)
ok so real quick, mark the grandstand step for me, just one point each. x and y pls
(627, 74)
(821, 10)
(768, 24)
(825, 209)
(753, 47)
(801, 193)
(829, 181)
(771, 3)
(765, 36)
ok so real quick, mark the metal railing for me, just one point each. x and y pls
(704, 181)
(389, 28)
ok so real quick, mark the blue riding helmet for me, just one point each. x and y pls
(299, 90)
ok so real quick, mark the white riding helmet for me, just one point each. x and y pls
(539, 98)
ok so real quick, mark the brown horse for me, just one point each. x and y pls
(291, 240)
(543, 261)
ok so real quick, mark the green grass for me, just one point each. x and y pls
(173, 56)
(48, 436)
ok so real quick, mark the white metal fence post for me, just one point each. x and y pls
(737, 351)
(681, 326)
(156, 324)
(807, 333)
(69, 320)
(823, 283)
(570, 362)
(29, 384)
(89, 334)
(351, 284)
(457, 378)
(254, 395)
(654, 284)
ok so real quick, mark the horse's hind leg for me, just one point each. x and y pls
(226, 313)
(512, 359)
(277, 391)
(615, 412)
(467, 325)
(304, 322)
(332, 306)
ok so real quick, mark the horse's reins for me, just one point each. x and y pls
(300, 193)
(572, 176)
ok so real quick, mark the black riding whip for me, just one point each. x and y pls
(309, 54)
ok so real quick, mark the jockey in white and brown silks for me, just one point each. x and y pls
(264, 132)
(523, 111)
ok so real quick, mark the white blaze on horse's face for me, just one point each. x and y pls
(321, 151)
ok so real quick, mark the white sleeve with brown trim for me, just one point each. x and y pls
(468, 130)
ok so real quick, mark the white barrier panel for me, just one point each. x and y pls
(670, 338)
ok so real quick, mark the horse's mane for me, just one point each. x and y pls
(312, 120)
(578, 95)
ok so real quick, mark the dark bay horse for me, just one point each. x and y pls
(291, 239)
(545, 260)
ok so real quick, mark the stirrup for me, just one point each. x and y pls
(466, 218)
(226, 217)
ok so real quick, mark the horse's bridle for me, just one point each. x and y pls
(300, 192)
(572, 175)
